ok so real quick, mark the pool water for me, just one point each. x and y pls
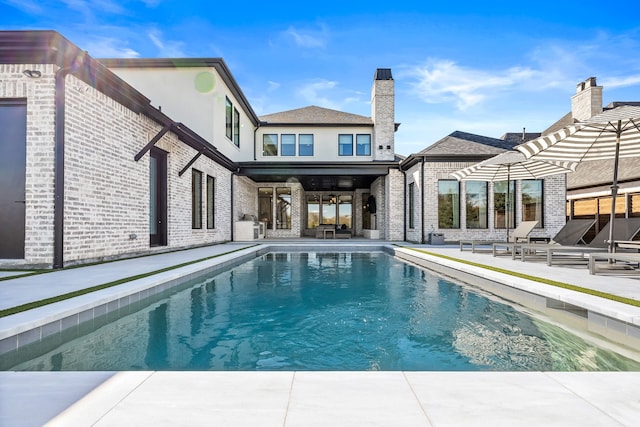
(327, 311)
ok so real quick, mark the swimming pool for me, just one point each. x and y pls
(323, 311)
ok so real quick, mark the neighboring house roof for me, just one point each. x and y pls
(460, 146)
(313, 115)
(520, 137)
(600, 172)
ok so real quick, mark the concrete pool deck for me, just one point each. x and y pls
(313, 398)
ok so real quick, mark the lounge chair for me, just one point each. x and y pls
(518, 234)
(625, 229)
(610, 258)
(571, 234)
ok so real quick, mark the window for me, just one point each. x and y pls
(448, 203)
(345, 145)
(236, 127)
(500, 204)
(196, 199)
(476, 204)
(211, 201)
(265, 205)
(363, 145)
(288, 145)
(270, 144)
(283, 208)
(345, 209)
(411, 204)
(328, 209)
(313, 211)
(228, 118)
(305, 147)
(532, 201)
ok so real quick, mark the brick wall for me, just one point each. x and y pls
(106, 191)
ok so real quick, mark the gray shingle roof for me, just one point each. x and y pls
(600, 172)
(466, 144)
(315, 116)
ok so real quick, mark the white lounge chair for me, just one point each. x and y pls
(518, 234)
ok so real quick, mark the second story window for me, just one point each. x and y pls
(305, 145)
(270, 144)
(236, 127)
(287, 145)
(345, 145)
(363, 145)
(228, 110)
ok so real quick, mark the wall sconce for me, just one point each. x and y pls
(379, 147)
(388, 147)
(32, 74)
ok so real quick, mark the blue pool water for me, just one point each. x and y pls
(326, 311)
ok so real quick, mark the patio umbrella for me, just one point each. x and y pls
(610, 135)
(512, 165)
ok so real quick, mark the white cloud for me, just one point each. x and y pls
(31, 7)
(110, 48)
(308, 38)
(272, 86)
(445, 81)
(319, 93)
(617, 82)
(168, 49)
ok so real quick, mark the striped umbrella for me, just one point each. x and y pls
(512, 165)
(612, 134)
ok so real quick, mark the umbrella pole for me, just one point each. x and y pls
(614, 190)
(507, 215)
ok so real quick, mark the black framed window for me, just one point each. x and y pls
(287, 145)
(411, 207)
(228, 118)
(265, 205)
(211, 202)
(270, 144)
(283, 208)
(502, 204)
(196, 198)
(363, 145)
(345, 145)
(476, 195)
(305, 145)
(448, 203)
(236, 127)
(532, 201)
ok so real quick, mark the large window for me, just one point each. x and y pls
(196, 199)
(532, 198)
(288, 145)
(265, 205)
(211, 202)
(228, 110)
(411, 196)
(313, 210)
(476, 204)
(448, 203)
(270, 144)
(283, 208)
(345, 210)
(363, 145)
(345, 145)
(305, 145)
(500, 205)
(328, 209)
(236, 127)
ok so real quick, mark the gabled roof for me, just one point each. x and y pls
(520, 137)
(465, 144)
(313, 115)
(460, 146)
(600, 172)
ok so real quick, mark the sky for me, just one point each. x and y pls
(481, 67)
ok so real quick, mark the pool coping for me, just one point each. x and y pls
(617, 321)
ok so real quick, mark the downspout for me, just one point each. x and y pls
(233, 174)
(405, 225)
(58, 179)
(422, 225)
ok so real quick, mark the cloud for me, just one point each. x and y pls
(444, 81)
(272, 86)
(318, 93)
(308, 39)
(167, 49)
(617, 82)
(30, 7)
(110, 48)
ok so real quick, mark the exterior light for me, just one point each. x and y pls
(32, 74)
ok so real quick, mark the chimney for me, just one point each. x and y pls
(587, 102)
(383, 115)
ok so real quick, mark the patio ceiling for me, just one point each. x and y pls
(319, 176)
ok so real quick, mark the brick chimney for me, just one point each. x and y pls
(587, 102)
(383, 115)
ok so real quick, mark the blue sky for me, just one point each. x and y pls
(479, 67)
